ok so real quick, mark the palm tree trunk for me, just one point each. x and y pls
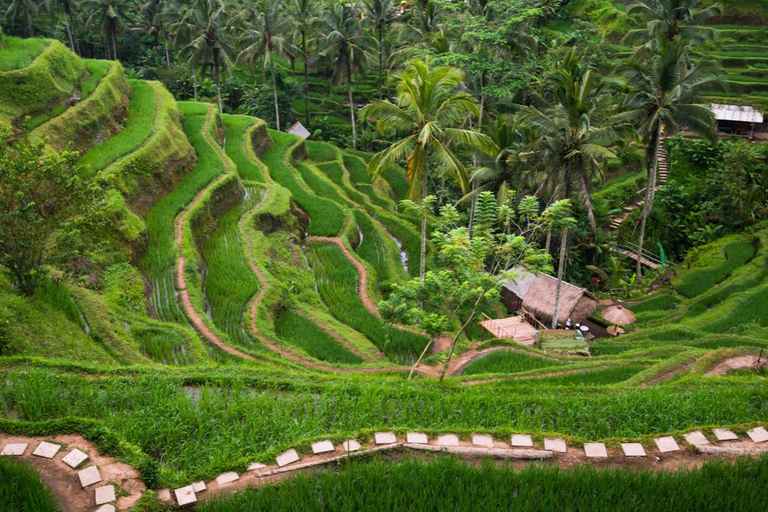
(274, 93)
(548, 241)
(114, 44)
(560, 272)
(306, 75)
(423, 251)
(69, 35)
(194, 83)
(217, 79)
(649, 195)
(74, 37)
(474, 160)
(29, 22)
(351, 103)
(381, 63)
(587, 200)
(167, 53)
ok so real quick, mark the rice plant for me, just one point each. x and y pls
(17, 53)
(506, 361)
(22, 490)
(237, 127)
(298, 330)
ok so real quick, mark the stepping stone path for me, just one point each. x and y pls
(74, 458)
(105, 494)
(256, 466)
(385, 438)
(758, 435)
(416, 438)
(225, 478)
(696, 438)
(723, 434)
(14, 449)
(288, 457)
(448, 440)
(350, 445)
(482, 440)
(555, 445)
(106, 508)
(666, 444)
(595, 450)
(185, 496)
(322, 447)
(46, 450)
(633, 449)
(89, 476)
(199, 486)
(522, 440)
(164, 495)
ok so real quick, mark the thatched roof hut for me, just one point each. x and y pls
(576, 304)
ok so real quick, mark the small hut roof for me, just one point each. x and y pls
(522, 283)
(576, 303)
(299, 129)
(742, 113)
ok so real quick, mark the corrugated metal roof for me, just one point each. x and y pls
(741, 113)
(298, 129)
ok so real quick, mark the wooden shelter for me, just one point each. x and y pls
(515, 328)
(536, 294)
(737, 119)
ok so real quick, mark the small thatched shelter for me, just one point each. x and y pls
(536, 294)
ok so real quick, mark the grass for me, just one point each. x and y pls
(707, 268)
(17, 53)
(22, 490)
(237, 127)
(98, 69)
(138, 127)
(418, 486)
(507, 361)
(337, 283)
(303, 333)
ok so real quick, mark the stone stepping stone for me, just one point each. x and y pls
(555, 445)
(322, 447)
(448, 440)
(666, 444)
(482, 440)
(89, 476)
(256, 466)
(164, 495)
(224, 479)
(633, 449)
(696, 438)
(199, 486)
(105, 494)
(723, 434)
(14, 449)
(595, 450)
(758, 435)
(46, 450)
(106, 508)
(522, 440)
(74, 458)
(385, 438)
(416, 438)
(350, 445)
(185, 496)
(288, 457)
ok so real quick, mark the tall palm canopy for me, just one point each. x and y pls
(428, 113)
(111, 17)
(674, 19)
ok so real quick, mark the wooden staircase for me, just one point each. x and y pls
(661, 179)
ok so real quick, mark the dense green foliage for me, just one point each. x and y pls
(505, 361)
(22, 490)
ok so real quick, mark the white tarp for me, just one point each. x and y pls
(298, 129)
(741, 113)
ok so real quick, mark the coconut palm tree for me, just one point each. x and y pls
(25, 8)
(348, 46)
(665, 94)
(574, 134)
(153, 22)
(558, 218)
(65, 7)
(380, 14)
(304, 16)
(674, 19)
(267, 24)
(428, 113)
(111, 18)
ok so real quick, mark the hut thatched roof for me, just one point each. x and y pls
(520, 285)
(576, 303)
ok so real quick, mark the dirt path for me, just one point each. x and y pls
(733, 363)
(669, 375)
(63, 481)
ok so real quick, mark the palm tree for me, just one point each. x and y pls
(348, 46)
(304, 15)
(111, 17)
(26, 8)
(208, 47)
(153, 24)
(381, 14)
(673, 19)
(558, 218)
(66, 7)
(664, 96)
(265, 37)
(574, 134)
(428, 113)
(177, 17)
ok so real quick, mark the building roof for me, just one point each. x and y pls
(576, 303)
(741, 113)
(519, 286)
(300, 130)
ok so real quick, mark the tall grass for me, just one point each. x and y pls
(17, 53)
(22, 490)
(507, 361)
(715, 264)
(138, 127)
(236, 127)
(303, 333)
(98, 70)
(446, 483)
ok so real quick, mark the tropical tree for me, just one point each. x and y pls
(674, 19)
(111, 18)
(348, 46)
(575, 133)
(664, 95)
(380, 14)
(428, 113)
(66, 7)
(304, 16)
(558, 218)
(152, 23)
(265, 38)
(25, 8)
